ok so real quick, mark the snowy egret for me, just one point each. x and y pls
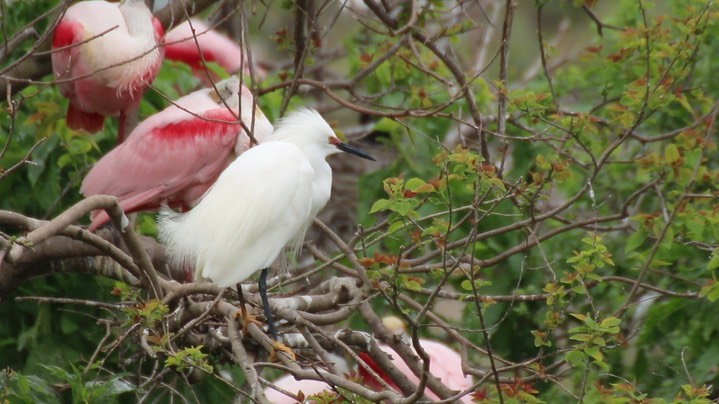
(202, 130)
(263, 202)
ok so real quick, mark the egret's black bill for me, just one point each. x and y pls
(351, 150)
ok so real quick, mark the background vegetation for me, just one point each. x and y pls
(547, 206)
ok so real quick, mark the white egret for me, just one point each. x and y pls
(263, 202)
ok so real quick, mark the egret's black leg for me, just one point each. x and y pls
(246, 318)
(243, 309)
(266, 304)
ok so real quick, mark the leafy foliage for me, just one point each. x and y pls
(566, 212)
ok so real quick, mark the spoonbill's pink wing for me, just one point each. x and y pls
(175, 162)
(446, 365)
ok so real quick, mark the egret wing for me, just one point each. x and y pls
(258, 205)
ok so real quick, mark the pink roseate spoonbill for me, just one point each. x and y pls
(174, 156)
(104, 57)
(263, 202)
(444, 363)
(205, 44)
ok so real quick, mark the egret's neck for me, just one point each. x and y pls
(322, 185)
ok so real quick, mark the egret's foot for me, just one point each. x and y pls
(278, 346)
(247, 319)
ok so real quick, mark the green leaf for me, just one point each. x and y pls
(478, 283)
(540, 339)
(671, 153)
(395, 226)
(412, 285)
(594, 353)
(496, 182)
(68, 325)
(695, 228)
(581, 337)
(580, 317)
(379, 205)
(714, 260)
(79, 145)
(668, 240)
(65, 160)
(418, 186)
(575, 357)
(403, 206)
(710, 291)
(611, 322)
(599, 341)
(636, 239)
(387, 125)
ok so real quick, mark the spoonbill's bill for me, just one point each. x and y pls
(194, 43)
(104, 56)
(175, 155)
(263, 202)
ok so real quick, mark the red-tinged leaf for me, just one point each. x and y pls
(615, 57)
(480, 395)
(366, 58)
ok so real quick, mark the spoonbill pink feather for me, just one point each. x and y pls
(174, 156)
